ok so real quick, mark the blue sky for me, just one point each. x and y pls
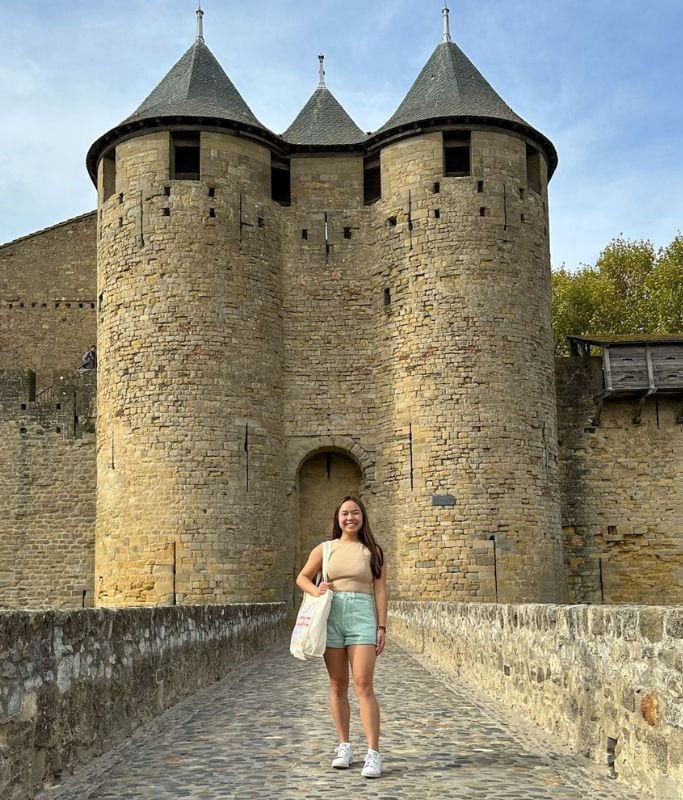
(602, 79)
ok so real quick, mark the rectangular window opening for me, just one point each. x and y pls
(304, 233)
(533, 169)
(437, 187)
(437, 213)
(372, 180)
(185, 156)
(261, 222)
(108, 175)
(212, 191)
(387, 297)
(456, 154)
(281, 181)
(165, 212)
(482, 211)
(167, 191)
(480, 187)
(391, 222)
(212, 212)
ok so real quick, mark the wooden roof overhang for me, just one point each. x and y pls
(637, 367)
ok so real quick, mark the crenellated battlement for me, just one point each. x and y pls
(66, 407)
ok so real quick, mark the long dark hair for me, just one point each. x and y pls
(364, 535)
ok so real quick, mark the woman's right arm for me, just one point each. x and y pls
(304, 580)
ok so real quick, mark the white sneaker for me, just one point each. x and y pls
(373, 765)
(343, 755)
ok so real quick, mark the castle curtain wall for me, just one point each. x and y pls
(47, 491)
(622, 505)
(47, 298)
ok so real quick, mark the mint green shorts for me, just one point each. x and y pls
(352, 620)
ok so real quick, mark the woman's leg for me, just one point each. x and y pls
(362, 658)
(337, 663)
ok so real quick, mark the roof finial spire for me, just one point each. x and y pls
(321, 59)
(446, 24)
(200, 23)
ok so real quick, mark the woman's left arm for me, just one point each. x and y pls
(380, 588)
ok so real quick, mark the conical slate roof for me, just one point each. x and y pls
(323, 121)
(196, 86)
(451, 87)
(195, 89)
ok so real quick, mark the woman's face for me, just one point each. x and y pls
(350, 517)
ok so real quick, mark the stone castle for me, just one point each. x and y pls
(285, 319)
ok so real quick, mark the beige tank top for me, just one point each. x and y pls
(348, 568)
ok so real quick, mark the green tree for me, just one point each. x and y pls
(632, 289)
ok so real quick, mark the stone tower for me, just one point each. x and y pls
(189, 330)
(466, 349)
(284, 319)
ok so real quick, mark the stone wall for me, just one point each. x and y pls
(605, 679)
(75, 684)
(47, 297)
(47, 490)
(622, 505)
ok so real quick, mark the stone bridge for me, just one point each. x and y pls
(479, 702)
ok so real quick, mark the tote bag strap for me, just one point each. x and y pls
(327, 546)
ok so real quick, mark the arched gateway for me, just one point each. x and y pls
(322, 480)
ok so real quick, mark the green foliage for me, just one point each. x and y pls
(633, 289)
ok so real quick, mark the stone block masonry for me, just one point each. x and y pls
(622, 508)
(47, 297)
(75, 684)
(47, 490)
(605, 679)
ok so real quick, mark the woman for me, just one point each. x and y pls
(356, 628)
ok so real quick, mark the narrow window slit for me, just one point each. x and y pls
(304, 233)
(387, 297)
(347, 233)
(212, 212)
(480, 187)
(437, 187)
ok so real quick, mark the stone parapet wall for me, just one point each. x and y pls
(75, 684)
(605, 679)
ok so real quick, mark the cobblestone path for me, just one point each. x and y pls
(265, 732)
